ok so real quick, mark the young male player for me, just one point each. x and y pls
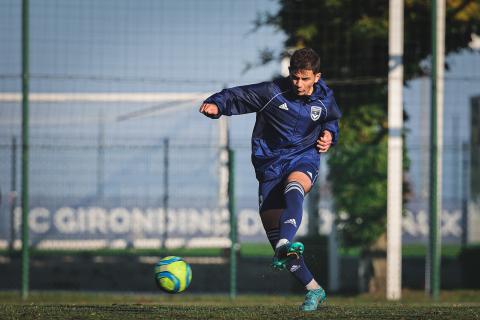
(297, 117)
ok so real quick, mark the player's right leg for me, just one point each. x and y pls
(272, 205)
(285, 252)
(297, 185)
(293, 191)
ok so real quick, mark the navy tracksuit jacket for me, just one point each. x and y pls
(287, 126)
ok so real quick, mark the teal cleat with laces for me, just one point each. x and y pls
(285, 253)
(313, 298)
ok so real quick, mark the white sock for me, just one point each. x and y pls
(312, 285)
(281, 242)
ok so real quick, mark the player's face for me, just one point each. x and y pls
(303, 81)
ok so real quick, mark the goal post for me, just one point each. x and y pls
(433, 263)
(395, 150)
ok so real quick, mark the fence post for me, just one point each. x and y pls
(465, 191)
(233, 223)
(13, 193)
(101, 157)
(25, 147)
(166, 150)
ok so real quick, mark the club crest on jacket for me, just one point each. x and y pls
(315, 112)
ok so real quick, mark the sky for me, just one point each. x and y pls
(129, 46)
(184, 45)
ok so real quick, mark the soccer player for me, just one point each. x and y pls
(297, 119)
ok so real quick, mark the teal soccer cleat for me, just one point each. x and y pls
(313, 298)
(285, 253)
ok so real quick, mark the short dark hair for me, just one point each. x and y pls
(305, 59)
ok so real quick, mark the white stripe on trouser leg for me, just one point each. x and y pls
(273, 235)
(294, 185)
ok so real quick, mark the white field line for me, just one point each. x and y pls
(177, 102)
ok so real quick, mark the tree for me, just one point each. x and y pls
(351, 36)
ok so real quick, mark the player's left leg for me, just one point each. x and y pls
(300, 179)
(297, 267)
(315, 293)
(271, 206)
(313, 298)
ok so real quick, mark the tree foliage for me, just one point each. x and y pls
(351, 38)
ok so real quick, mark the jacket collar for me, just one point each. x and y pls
(320, 90)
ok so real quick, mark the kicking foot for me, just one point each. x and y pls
(285, 253)
(313, 298)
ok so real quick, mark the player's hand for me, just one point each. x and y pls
(325, 141)
(209, 109)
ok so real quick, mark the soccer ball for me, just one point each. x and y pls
(173, 274)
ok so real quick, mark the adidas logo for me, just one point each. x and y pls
(292, 222)
(294, 268)
(283, 106)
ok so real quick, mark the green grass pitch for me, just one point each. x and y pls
(68, 305)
